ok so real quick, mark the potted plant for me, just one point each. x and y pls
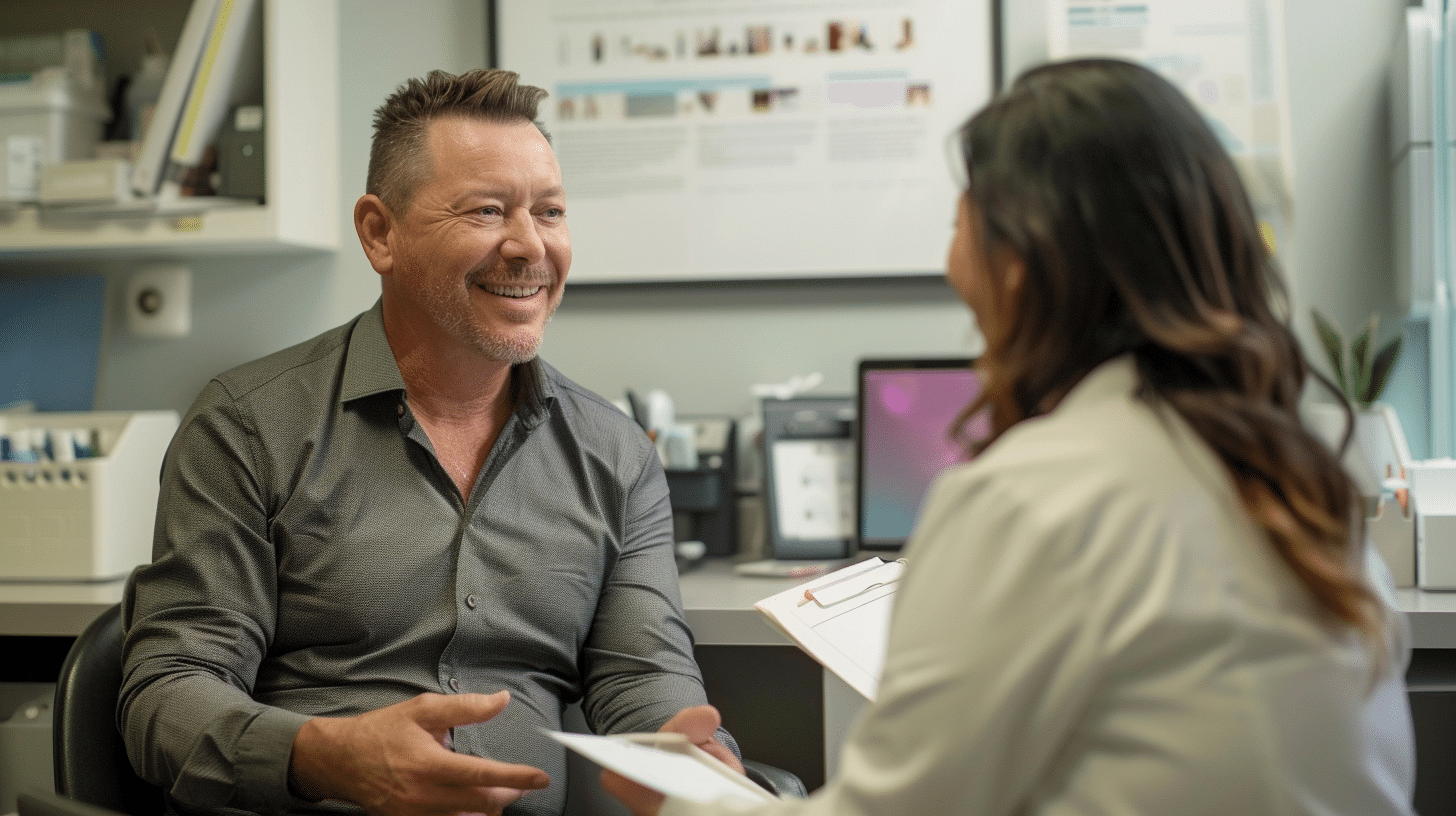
(1377, 456)
(1367, 373)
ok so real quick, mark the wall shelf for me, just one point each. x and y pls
(301, 91)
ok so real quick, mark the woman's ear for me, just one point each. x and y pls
(1012, 271)
(373, 221)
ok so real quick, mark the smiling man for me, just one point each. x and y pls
(386, 558)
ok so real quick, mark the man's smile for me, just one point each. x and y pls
(511, 291)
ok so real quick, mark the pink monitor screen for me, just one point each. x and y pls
(906, 412)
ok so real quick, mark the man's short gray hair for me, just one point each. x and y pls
(399, 158)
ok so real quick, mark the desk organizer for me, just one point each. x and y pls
(85, 513)
(704, 498)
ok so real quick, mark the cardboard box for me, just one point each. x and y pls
(1433, 495)
(1393, 532)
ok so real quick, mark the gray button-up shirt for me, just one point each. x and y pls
(312, 557)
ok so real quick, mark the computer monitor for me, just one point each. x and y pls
(903, 435)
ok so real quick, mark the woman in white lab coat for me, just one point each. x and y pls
(1147, 593)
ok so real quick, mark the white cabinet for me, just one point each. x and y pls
(301, 89)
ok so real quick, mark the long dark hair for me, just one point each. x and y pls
(1137, 237)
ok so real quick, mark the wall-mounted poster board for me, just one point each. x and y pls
(723, 139)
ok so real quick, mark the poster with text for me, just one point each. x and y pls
(718, 139)
(1228, 58)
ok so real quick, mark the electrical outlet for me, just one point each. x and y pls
(159, 302)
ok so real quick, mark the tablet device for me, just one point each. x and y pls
(809, 476)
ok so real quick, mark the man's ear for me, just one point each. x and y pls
(373, 221)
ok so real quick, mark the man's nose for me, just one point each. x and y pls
(523, 240)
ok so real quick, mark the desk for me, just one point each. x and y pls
(719, 607)
(58, 609)
(782, 707)
(736, 642)
(1432, 617)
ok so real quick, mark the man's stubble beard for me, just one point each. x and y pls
(443, 301)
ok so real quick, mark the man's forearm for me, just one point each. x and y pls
(208, 743)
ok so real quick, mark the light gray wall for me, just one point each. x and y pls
(244, 308)
(707, 343)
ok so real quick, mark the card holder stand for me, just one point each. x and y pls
(704, 499)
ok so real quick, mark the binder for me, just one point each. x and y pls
(229, 73)
(151, 163)
(842, 619)
(218, 65)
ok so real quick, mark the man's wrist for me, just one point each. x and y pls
(302, 783)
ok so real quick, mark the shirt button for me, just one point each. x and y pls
(399, 409)
(472, 600)
(454, 684)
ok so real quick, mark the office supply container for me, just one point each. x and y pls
(45, 118)
(85, 513)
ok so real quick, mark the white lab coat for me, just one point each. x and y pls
(1091, 624)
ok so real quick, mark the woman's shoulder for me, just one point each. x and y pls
(1100, 472)
(1102, 433)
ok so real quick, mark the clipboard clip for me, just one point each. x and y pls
(852, 586)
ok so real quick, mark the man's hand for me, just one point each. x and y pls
(642, 801)
(699, 723)
(394, 761)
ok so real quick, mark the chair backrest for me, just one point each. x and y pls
(90, 759)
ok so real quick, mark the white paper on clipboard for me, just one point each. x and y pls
(842, 619)
(667, 763)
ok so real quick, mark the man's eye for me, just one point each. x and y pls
(490, 210)
(554, 212)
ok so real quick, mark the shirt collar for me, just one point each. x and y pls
(370, 368)
(1116, 378)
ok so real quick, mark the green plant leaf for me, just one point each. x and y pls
(1380, 369)
(1334, 344)
(1360, 358)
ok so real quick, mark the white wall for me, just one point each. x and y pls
(706, 343)
(245, 308)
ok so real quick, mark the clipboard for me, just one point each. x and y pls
(668, 763)
(842, 619)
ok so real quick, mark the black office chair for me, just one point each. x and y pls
(775, 780)
(90, 759)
